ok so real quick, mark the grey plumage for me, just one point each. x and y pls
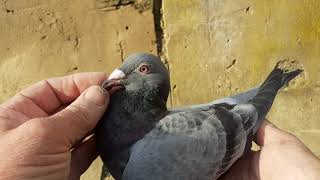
(139, 138)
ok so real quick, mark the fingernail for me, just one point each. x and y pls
(97, 95)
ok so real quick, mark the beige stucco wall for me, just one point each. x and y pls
(41, 39)
(213, 48)
(220, 47)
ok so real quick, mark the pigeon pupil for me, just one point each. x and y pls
(144, 69)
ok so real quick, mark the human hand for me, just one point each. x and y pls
(42, 128)
(282, 156)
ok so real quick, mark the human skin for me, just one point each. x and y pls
(42, 128)
(281, 156)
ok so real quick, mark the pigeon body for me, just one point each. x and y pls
(139, 138)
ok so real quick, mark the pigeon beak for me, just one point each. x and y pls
(113, 83)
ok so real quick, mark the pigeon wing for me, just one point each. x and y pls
(232, 100)
(191, 144)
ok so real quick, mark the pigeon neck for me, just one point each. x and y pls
(143, 102)
(130, 116)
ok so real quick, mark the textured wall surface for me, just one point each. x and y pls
(41, 39)
(213, 48)
(221, 47)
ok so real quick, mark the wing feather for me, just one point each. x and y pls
(191, 144)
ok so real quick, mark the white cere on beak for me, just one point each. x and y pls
(116, 74)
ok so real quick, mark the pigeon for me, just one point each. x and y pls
(139, 138)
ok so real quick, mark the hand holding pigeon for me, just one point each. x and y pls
(281, 156)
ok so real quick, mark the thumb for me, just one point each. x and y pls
(80, 117)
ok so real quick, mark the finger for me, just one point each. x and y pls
(80, 117)
(10, 119)
(269, 133)
(68, 88)
(82, 157)
(46, 96)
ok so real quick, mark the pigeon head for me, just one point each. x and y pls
(141, 74)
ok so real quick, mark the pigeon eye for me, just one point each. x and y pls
(144, 69)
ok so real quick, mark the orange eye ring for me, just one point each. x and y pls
(144, 69)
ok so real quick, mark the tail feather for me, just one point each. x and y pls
(263, 101)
